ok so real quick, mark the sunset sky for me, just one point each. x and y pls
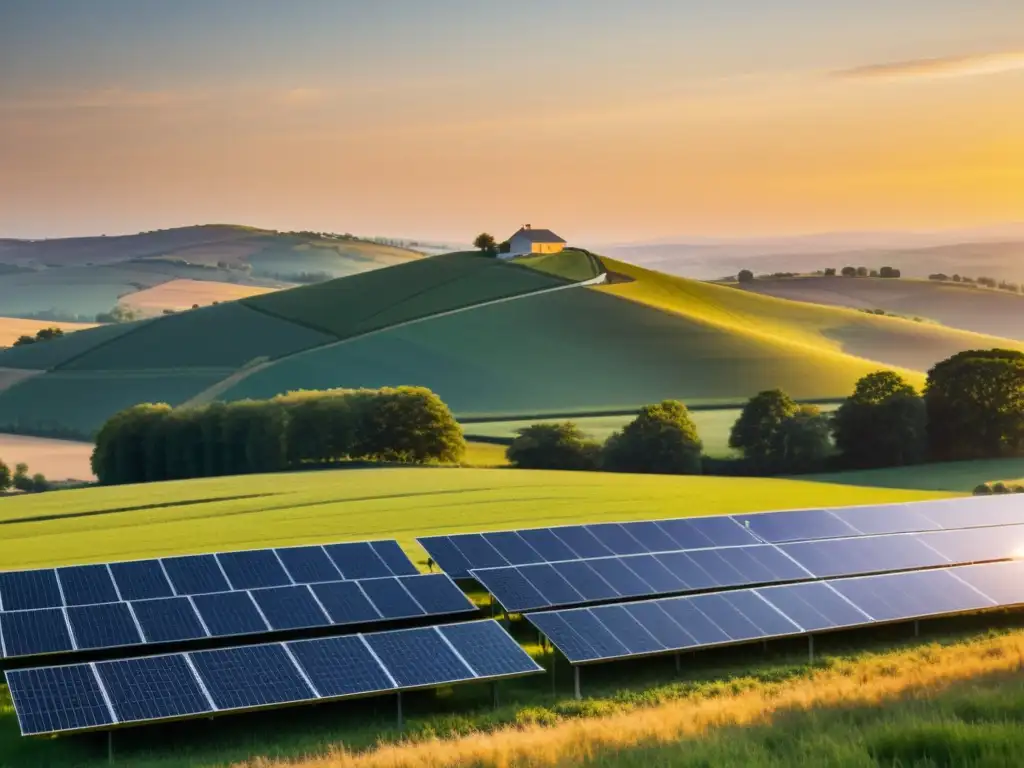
(601, 119)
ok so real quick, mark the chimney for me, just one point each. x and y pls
(526, 226)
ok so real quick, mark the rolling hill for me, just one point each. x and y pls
(983, 310)
(11, 328)
(74, 279)
(554, 335)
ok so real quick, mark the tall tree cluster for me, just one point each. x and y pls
(152, 442)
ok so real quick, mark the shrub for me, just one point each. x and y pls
(882, 424)
(745, 276)
(849, 271)
(5, 477)
(553, 446)
(1000, 488)
(982, 490)
(661, 439)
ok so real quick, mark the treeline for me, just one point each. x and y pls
(985, 282)
(746, 276)
(43, 334)
(21, 480)
(972, 407)
(152, 442)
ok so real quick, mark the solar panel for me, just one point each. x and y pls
(290, 607)
(513, 548)
(886, 518)
(141, 580)
(107, 625)
(226, 614)
(391, 598)
(796, 525)
(168, 620)
(394, 558)
(87, 584)
(838, 557)
(345, 602)
(307, 565)
(31, 633)
(437, 594)
(152, 688)
(24, 590)
(358, 560)
(253, 569)
(201, 683)
(54, 699)
(678, 623)
(195, 574)
(977, 544)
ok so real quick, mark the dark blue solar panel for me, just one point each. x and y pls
(651, 536)
(713, 562)
(814, 606)
(108, 625)
(796, 525)
(308, 565)
(768, 620)
(977, 544)
(29, 633)
(168, 620)
(622, 579)
(87, 584)
(616, 538)
(478, 551)
(23, 590)
(697, 624)
(290, 607)
(886, 518)
(391, 598)
(898, 596)
(357, 560)
(627, 630)
(873, 554)
(570, 642)
(726, 616)
(416, 657)
(230, 613)
(581, 541)
(340, 666)
(1003, 582)
(701, 532)
(153, 688)
(253, 569)
(585, 580)
(551, 584)
(141, 580)
(762, 565)
(55, 699)
(345, 602)
(681, 565)
(195, 574)
(437, 594)
(597, 634)
(511, 589)
(489, 649)
(549, 546)
(394, 557)
(661, 579)
(253, 676)
(511, 546)
(659, 624)
(448, 558)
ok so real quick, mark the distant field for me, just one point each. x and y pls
(302, 507)
(981, 310)
(57, 459)
(182, 294)
(13, 327)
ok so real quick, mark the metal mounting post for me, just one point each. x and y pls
(576, 681)
(917, 628)
(494, 694)
(810, 648)
(679, 663)
(110, 747)
(401, 721)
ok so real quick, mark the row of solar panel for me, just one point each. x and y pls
(200, 574)
(152, 688)
(227, 614)
(658, 626)
(577, 582)
(459, 554)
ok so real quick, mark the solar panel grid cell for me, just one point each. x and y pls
(230, 613)
(581, 541)
(106, 625)
(627, 630)
(651, 536)
(141, 580)
(169, 619)
(513, 590)
(551, 584)
(340, 666)
(308, 565)
(253, 569)
(418, 657)
(585, 580)
(357, 560)
(195, 574)
(488, 649)
(436, 594)
(24, 590)
(391, 598)
(152, 688)
(87, 584)
(394, 558)
(616, 538)
(287, 608)
(253, 676)
(345, 602)
(55, 699)
(29, 633)
(547, 545)
(513, 548)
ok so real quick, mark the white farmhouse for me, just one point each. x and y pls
(529, 241)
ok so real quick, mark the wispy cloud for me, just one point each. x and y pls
(945, 67)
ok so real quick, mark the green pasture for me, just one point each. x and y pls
(76, 403)
(378, 299)
(292, 256)
(96, 524)
(56, 352)
(713, 426)
(221, 336)
(570, 263)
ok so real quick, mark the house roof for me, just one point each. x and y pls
(538, 235)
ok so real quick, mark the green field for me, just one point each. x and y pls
(56, 352)
(382, 298)
(285, 257)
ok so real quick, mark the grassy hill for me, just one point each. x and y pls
(77, 278)
(495, 340)
(982, 310)
(13, 327)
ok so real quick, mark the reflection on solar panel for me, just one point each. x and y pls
(202, 683)
(200, 574)
(459, 554)
(226, 614)
(579, 582)
(671, 624)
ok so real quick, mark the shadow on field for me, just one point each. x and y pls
(137, 508)
(958, 477)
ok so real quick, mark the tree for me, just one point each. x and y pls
(407, 424)
(830, 272)
(802, 441)
(889, 272)
(874, 273)
(756, 431)
(125, 445)
(975, 403)
(486, 243)
(849, 271)
(45, 334)
(661, 439)
(119, 314)
(553, 446)
(862, 271)
(21, 480)
(5, 477)
(24, 341)
(882, 424)
(938, 276)
(745, 276)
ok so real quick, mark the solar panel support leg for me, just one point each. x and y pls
(401, 722)
(494, 693)
(110, 747)
(576, 682)
(917, 628)
(679, 663)
(810, 648)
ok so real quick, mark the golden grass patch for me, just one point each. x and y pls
(182, 294)
(13, 327)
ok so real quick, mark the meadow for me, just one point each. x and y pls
(180, 295)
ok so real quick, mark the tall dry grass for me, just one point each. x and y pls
(921, 672)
